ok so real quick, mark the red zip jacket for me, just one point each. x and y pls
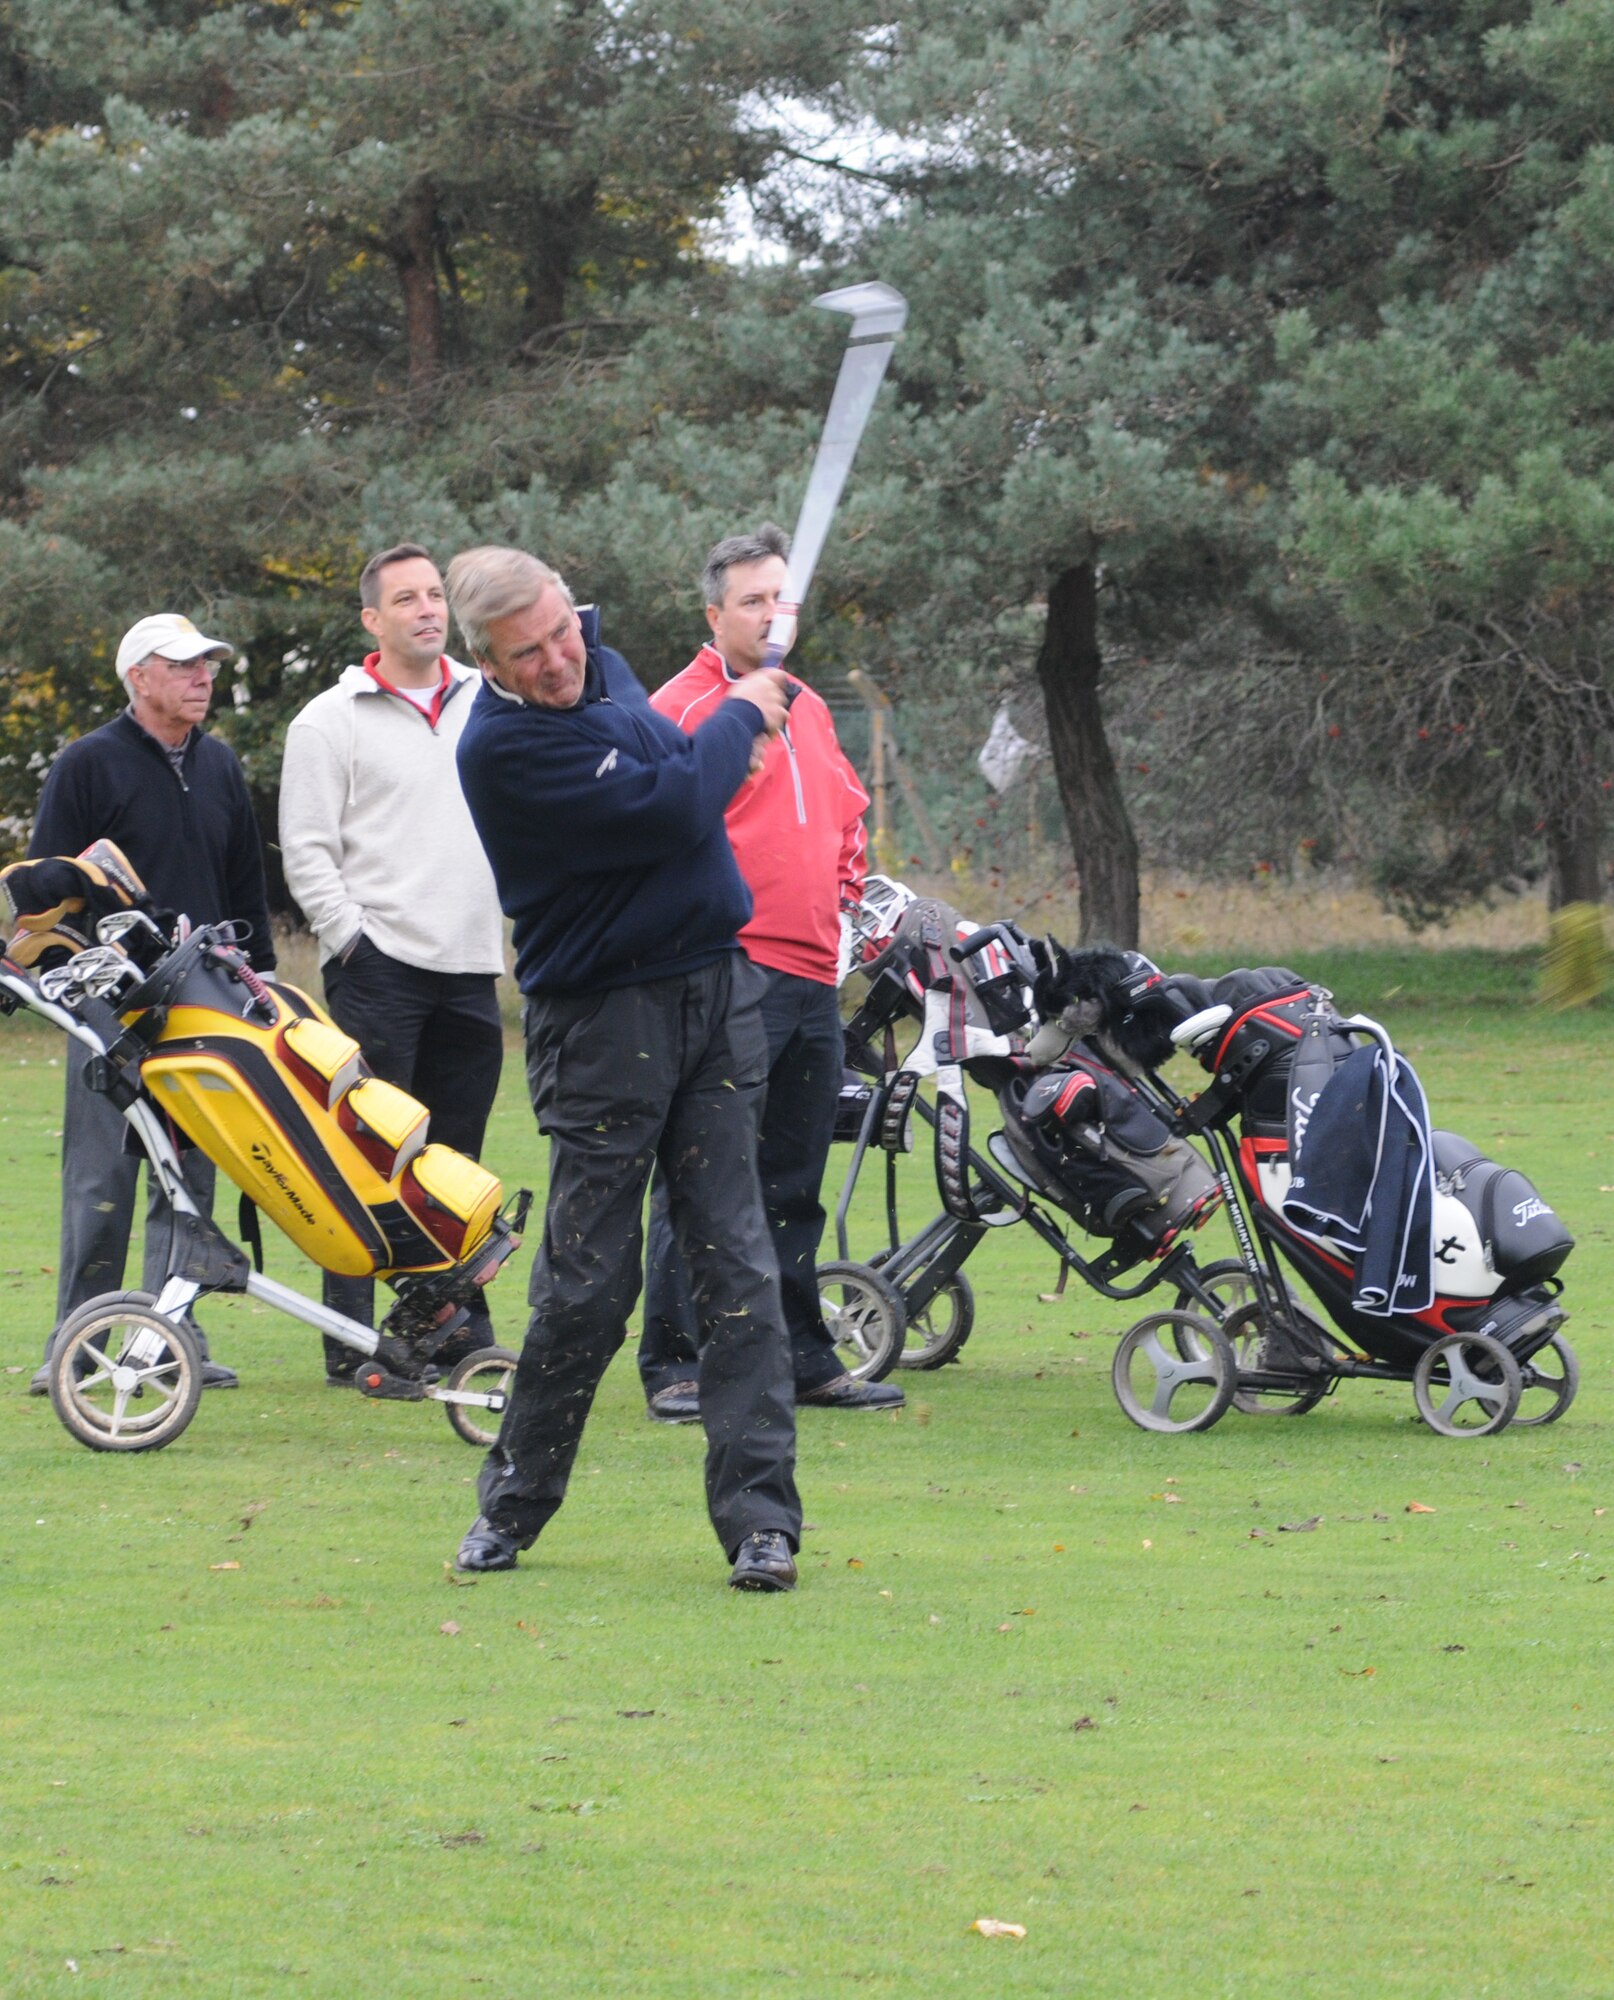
(796, 828)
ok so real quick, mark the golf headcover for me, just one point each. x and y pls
(1061, 1098)
(53, 906)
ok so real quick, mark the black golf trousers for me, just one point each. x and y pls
(806, 1061)
(436, 1035)
(670, 1070)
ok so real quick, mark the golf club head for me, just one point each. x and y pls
(874, 308)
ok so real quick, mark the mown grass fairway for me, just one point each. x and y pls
(1042, 1667)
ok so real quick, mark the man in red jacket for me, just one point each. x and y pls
(796, 828)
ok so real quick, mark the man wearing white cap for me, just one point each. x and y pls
(175, 800)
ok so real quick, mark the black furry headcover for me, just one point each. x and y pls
(1132, 1006)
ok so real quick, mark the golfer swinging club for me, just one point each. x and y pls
(603, 822)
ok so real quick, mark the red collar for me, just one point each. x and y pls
(372, 666)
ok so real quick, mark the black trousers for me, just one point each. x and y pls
(101, 1165)
(671, 1070)
(802, 1021)
(438, 1036)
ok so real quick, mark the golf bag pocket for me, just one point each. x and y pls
(1086, 1136)
(1523, 1239)
(452, 1198)
(324, 1061)
(387, 1125)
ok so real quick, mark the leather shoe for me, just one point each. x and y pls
(763, 1562)
(678, 1403)
(846, 1392)
(487, 1547)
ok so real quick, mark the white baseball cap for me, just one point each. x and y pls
(167, 633)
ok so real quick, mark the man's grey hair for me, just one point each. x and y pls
(768, 540)
(491, 582)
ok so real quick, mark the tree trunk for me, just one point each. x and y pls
(415, 255)
(1574, 853)
(553, 234)
(1069, 665)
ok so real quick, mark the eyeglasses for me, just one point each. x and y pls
(189, 668)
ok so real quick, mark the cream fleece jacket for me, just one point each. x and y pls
(375, 835)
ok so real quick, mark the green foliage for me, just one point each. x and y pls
(281, 285)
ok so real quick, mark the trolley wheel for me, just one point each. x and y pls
(1466, 1385)
(942, 1328)
(1299, 1391)
(1550, 1377)
(1228, 1283)
(122, 1377)
(863, 1312)
(490, 1371)
(1174, 1371)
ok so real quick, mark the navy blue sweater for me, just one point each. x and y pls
(190, 835)
(604, 826)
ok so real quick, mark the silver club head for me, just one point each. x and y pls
(874, 308)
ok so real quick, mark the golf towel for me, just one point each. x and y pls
(1364, 1175)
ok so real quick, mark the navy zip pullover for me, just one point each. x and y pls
(604, 826)
(189, 831)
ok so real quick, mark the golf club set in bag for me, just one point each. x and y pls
(192, 1046)
(1431, 1263)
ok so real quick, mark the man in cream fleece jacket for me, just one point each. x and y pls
(381, 855)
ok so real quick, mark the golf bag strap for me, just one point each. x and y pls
(949, 1038)
(898, 1105)
(251, 1231)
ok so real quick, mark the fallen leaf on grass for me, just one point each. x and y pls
(1454, 1649)
(1300, 1527)
(632, 1714)
(452, 1575)
(228, 1565)
(1084, 1722)
(854, 1562)
(470, 1838)
(990, 1927)
(449, 1629)
(1359, 1673)
(1417, 1507)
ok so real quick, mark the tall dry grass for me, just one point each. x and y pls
(1264, 919)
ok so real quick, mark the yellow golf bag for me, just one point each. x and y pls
(262, 1081)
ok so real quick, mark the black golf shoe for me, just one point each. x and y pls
(488, 1547)
(763, 1562)
(846, 1392)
